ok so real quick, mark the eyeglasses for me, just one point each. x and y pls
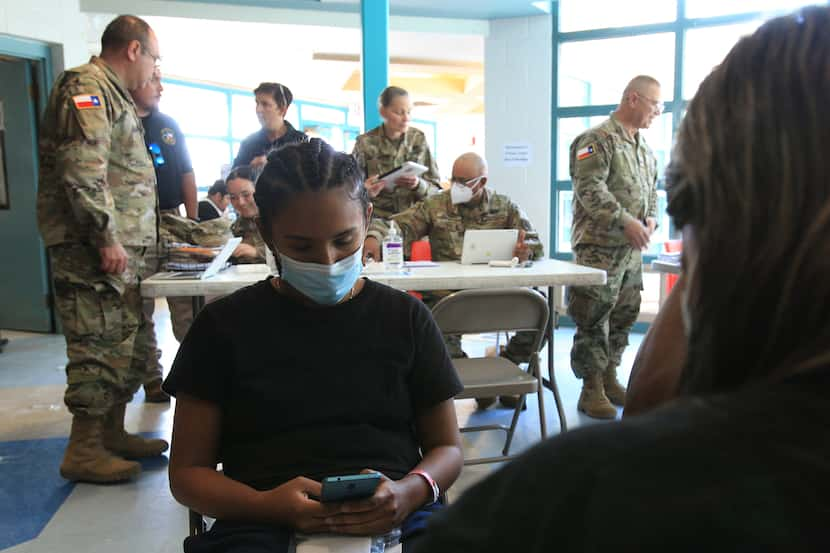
(155, 154)
(156, 59)
(466, 182)
(655, 104)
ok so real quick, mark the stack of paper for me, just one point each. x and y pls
(669, 257)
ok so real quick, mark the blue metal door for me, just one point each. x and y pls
(24, 282)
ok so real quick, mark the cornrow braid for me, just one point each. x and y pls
(311, 166)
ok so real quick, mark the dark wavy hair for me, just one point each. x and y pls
(751, 174)
(305, 167)
(241, 172)
(279, 92)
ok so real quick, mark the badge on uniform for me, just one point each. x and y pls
(585, 152)
(168, 136)
(87, 101)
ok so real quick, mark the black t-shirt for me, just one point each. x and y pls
(170, 158)
(315, 392)
(258, 144)
(748, 471)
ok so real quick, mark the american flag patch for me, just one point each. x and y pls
(86, 101)
(585, 152)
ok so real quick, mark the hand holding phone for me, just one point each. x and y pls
(355, 486)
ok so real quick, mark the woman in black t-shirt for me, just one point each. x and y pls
(312, 374)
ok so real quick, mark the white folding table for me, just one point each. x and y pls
(447, 275)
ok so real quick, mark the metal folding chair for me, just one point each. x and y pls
(495, 310)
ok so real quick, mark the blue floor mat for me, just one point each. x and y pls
(31, 488)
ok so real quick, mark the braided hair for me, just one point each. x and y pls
(311, 166)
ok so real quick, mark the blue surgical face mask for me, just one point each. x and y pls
(323, 284)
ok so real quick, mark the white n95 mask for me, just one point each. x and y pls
(460, 194)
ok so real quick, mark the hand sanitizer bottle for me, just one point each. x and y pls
(393, 249)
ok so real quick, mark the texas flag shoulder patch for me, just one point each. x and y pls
(87, 101)
(586, 152)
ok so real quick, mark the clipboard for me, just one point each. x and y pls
(408, 169)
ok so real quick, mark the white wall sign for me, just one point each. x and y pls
(517, 154)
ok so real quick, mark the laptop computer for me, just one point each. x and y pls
(219, 262)
(483, 246)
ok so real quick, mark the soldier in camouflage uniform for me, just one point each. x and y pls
(614, 214)
(240, 183)
(97, 214)
(387, 147)
(444, 218)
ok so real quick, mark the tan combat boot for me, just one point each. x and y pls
(613, 389)
(86, 459)
(131, 446)
(593, 401)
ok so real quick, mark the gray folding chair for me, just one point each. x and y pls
(494, 310)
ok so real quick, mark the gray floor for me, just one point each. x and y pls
(142, 516)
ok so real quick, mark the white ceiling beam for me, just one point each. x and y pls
(256, 14)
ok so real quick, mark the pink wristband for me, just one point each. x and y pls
(433, 485)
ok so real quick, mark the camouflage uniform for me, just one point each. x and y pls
(97, 188)
(614, 181)
(247, 229)
(376, 154)
(445, 224)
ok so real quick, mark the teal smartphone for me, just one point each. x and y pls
(355, 486)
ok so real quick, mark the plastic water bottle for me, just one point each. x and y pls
(393, 249)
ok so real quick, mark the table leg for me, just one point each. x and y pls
(551, 380)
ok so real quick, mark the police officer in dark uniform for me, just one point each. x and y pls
(272, 101)
(176, 185)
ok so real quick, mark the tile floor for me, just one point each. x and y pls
(41, 513)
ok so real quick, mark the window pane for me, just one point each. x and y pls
(569, 129)
(712, 8)
(293, 116)
(659, 139)
(429, 130)
(706, 48)
(208, 157)
(322, 114)
(196, 110)
(564, 219)
(589, 75)
(332, 134)
(578, 15)
(662, 234)
(243, 115)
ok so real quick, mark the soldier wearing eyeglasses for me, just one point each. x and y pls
(97, 214)
(614, 175)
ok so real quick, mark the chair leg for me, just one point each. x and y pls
(197, 523)
(513, 424)
(563, 423)
(535, 367)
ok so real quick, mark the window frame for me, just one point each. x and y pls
(675, 105)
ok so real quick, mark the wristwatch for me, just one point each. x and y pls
(433, 485)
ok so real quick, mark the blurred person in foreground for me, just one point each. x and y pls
(740, 459)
